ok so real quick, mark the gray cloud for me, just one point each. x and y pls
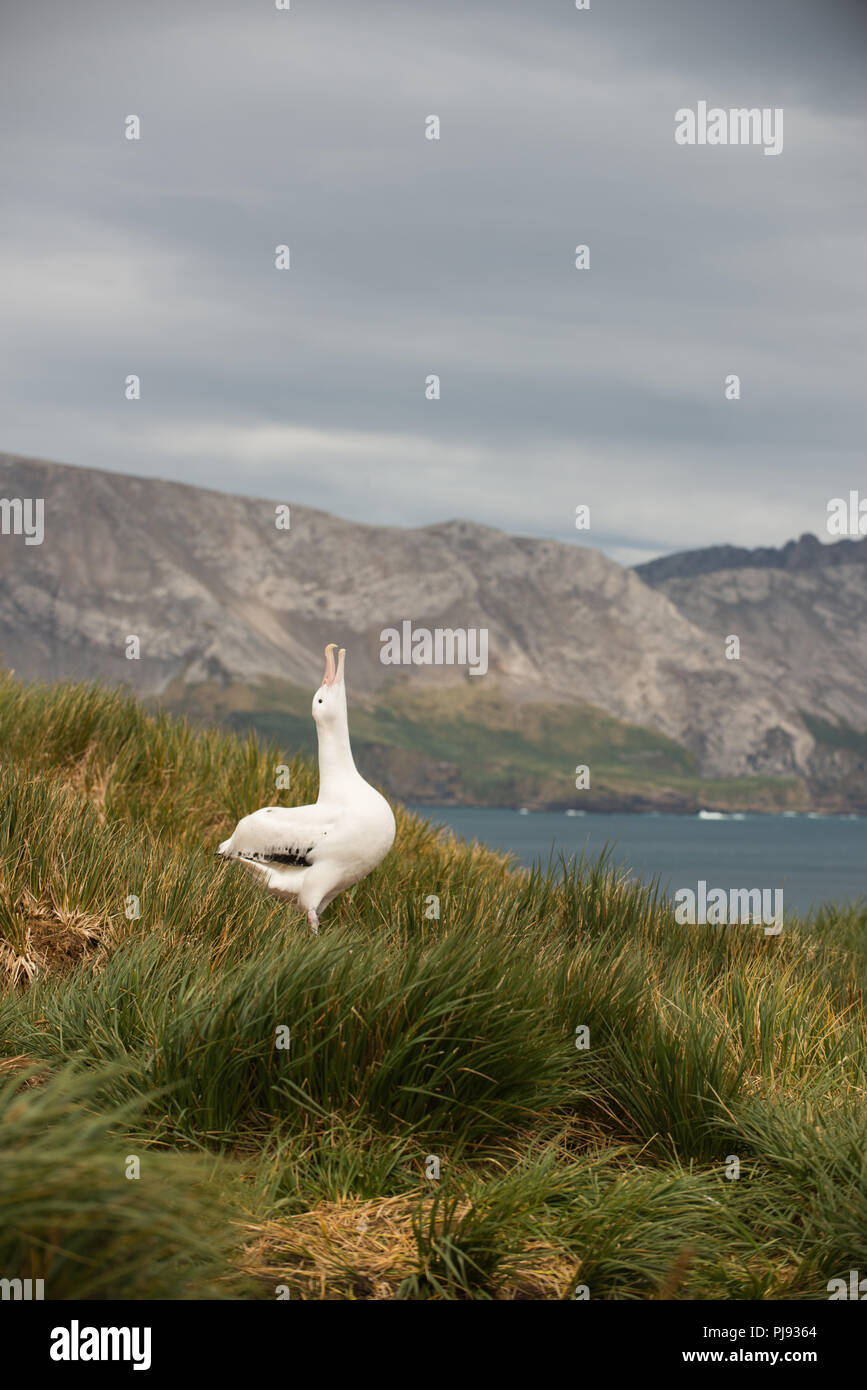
(411, 257)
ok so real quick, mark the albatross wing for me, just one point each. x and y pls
(280, 836)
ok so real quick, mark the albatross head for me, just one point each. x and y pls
(329, 702)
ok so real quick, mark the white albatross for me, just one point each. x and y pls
(309, 854)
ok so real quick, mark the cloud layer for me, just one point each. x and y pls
(454, 257)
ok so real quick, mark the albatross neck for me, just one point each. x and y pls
(335, 757)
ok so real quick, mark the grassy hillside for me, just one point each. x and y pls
(468, 744)
(304, 1169)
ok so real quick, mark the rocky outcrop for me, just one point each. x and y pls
(806, 553)
(214, 590)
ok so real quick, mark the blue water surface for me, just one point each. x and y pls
(813, 859)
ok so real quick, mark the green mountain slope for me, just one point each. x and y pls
(533, 1092)
(470, 745)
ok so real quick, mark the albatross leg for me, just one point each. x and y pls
(313, 923)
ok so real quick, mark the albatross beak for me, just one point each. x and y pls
(330, 671)
(341, 657)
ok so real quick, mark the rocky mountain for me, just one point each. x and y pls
(805, 630)
(231, 611)
(804, 627)
(806, 553)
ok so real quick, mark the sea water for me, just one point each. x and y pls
(814, 859)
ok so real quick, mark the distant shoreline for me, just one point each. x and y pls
(703, 813)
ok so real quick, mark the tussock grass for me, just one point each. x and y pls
(149, 993)
(70, 1215)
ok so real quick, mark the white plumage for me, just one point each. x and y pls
(309, 854)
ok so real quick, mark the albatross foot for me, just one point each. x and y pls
(313, 923)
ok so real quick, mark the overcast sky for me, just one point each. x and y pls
(455, 257)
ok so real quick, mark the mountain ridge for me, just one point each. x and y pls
(216, 595)
(805, 553)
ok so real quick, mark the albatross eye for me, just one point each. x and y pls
(320, 699)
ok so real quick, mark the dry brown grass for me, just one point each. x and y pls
(359, 1249)
(339, 1249)
(12, 1066)
(53, 940)
(88, 777)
